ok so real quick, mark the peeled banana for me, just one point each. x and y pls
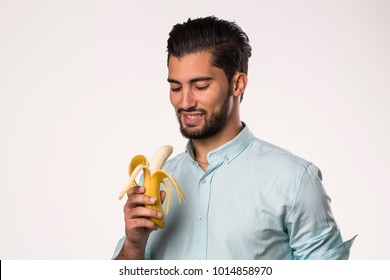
(153, 177)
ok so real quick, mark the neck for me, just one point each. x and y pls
(204, 146)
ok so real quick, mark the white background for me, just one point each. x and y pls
(83, 89)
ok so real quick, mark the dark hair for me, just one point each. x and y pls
(229, 45)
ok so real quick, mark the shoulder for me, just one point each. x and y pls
(278, 161)
(261, 149)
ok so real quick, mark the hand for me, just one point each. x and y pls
(137, 223)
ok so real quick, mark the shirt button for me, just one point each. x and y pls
(226, 158)
(203, 181)
(200, 219)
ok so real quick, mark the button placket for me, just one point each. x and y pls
(201, 215)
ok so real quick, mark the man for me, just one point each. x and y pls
(245, 198)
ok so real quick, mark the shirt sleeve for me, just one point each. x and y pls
(118, 248)
(311, 226)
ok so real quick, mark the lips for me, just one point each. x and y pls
(192, 119)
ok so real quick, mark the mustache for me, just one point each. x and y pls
(190, 110)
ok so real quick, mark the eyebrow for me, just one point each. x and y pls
(194, 80)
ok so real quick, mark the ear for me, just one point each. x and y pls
(239, 82)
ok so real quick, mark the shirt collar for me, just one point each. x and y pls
(228, 151)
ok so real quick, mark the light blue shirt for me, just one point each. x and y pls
(254, 201)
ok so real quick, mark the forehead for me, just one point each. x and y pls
(190, 65)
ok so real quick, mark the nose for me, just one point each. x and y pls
(188, 99)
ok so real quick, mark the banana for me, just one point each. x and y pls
(153, 177)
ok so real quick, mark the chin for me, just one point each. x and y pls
(191, 133)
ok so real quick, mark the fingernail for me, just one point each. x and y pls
(152, 200)
(159, 214)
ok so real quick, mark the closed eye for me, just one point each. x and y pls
(175, 89)
(202, 87)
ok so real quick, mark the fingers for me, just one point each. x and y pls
(138, 212)
(135, 197)
(140, 224)
(135, 211)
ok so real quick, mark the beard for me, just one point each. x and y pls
(213, 123)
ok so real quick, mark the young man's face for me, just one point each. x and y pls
(200, 94)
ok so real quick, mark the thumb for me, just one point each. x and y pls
(163, 194)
